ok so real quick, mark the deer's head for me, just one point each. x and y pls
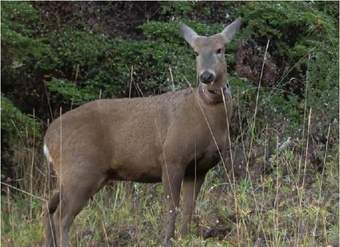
(210, 58)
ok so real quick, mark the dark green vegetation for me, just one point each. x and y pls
(58, 55)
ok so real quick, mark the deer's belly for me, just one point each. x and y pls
(202, 164)
(137, 169)
(135, 176)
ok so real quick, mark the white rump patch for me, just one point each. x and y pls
(47, 154)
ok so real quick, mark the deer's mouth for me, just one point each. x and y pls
(214, 91)
(213, 96)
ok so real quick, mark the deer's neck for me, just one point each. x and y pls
(213, 96)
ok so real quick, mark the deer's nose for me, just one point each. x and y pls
(207, 77)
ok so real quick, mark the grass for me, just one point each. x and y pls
(274, 209)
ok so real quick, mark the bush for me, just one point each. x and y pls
(19, 39)
(17, 125)
(19, 134)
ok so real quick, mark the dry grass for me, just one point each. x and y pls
(293, 205)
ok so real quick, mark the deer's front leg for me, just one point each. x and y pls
(191, 188)
(172, 176)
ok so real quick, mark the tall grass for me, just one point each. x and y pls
(274, 209)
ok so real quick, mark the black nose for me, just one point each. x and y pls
(207, 77)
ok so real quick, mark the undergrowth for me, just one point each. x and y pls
(270, 210)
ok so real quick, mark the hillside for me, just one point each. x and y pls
(283, 68)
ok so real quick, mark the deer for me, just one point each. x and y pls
(174, 138)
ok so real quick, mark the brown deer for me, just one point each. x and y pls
(173, 138)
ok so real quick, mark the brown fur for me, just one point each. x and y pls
(170, 138)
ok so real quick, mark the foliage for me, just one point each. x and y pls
(17, 35)
(16, 123)
(175, 9)
(20, 134)
(169, 32)
(297, 32)
(78, 50)
(69, 91)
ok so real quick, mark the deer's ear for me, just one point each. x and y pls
(188, 34)
(230, 30)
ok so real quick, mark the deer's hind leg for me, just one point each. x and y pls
(48, 221)
(75, 193)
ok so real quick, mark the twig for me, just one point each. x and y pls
(172, 79)
(23, 191)
(131, 81)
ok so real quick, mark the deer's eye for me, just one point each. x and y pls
(196, 53)
(219, 51)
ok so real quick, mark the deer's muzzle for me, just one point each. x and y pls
(207, 77)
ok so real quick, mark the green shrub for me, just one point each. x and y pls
(17, 125)
(169, 31)
(18, 35)
(78, 50)
(297, 33)
(177, 8)
(20, 135)
(69, 91)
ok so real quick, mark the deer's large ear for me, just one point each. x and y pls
(230, 30)
(188, 34)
